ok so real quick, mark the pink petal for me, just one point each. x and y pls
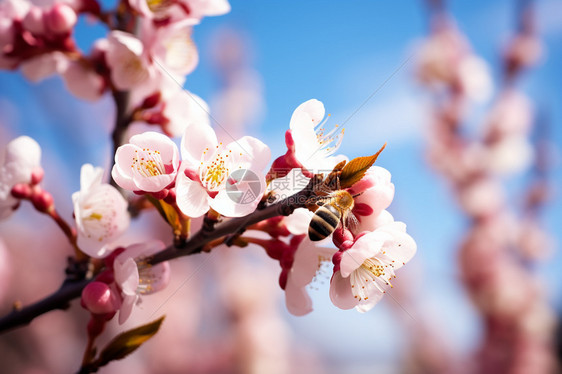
(297, 300)
(372, 222)
(309, 111)
(340, 292)
(191, 197)
(158, 142)
(126, 274)
(196, 139)
(365, 247)
(121, 172)
(83, 82)
(250, 153)
(225, 204)
(127, 307)
(402, 247)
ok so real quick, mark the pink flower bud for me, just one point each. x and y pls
(42, 200)
(21, 191)
(276, 248)
(33, 21)
(98, 298)
(342, 238)
(60, 19)
(37, 175)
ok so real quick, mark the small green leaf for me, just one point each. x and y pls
(127, 342)
(355, 169)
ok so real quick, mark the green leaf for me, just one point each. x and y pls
(127, 342)
(355, 169)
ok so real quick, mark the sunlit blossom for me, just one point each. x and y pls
(315, 145)
(367, 268)
(100, 212)
(148, 163)
(207, 169)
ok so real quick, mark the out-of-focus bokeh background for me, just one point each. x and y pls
(225, 311)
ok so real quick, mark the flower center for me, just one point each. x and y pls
(374, 266)
(215, 172)
(158, 6)
(148, 163)
(98, 216)
(328, 142)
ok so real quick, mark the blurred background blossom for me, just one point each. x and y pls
(485, 214)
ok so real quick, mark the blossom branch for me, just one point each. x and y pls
(72, 288)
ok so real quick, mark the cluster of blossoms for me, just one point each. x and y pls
(149, 50)
(212, 179)
(143, 62)
(517, 320)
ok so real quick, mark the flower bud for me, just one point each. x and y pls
(21, 191)
(60, 19)
(98, 298)
(42, 200)
(33, 21)
(342, 238)
(37, 175)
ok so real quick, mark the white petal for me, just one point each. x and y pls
(197, 139)
(191, 197)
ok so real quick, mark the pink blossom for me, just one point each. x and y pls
(129, 65)
(157, 52)
(135, 277)
(100, 213)
(483, 197)
(21, 159)
(207, 169)
(148, 163)
(82, 81)
(44, 65)
(440, 56)
(314, 145)
(376, 192)
(512, 114)
(60, 19)
(366, 269)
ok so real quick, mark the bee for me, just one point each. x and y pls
(335, 208)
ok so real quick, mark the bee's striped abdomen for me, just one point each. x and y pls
(323, 223)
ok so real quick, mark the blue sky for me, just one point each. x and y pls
(340, 53)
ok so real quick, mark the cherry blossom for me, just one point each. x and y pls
(207, 169)
(142, 61)
(366, 269)
(314, 145)
(100, 213)
(135, 277)
(148, 163)
(22, 159)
